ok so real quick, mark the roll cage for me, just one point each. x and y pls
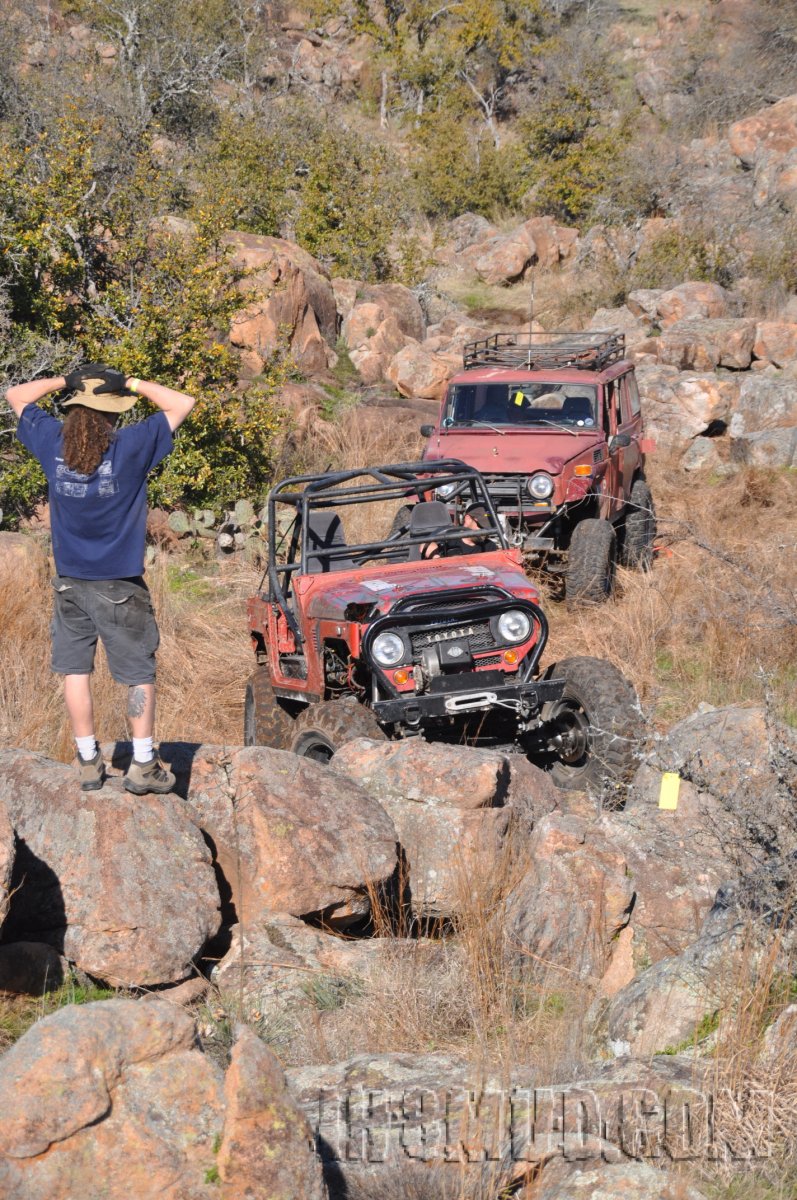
(305, 495)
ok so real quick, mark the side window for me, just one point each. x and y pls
(608, 404)
(620, 404)
(633, 395)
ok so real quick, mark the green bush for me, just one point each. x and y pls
(152, 298)
(458, 168)
(571, 161)
(678, 254)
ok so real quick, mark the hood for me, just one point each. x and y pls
(328, 596)
(517, 451)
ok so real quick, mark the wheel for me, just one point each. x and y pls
(597, 723)
(592, 561)
(323, 728)
(266, 723)
(640, 527)
(401, 522)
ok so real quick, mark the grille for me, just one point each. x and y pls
(442, 604)
(478, 634)
(489, 660)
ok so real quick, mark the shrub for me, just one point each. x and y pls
(458, 168)
(571, 160)
(679, 254)
(152, 298)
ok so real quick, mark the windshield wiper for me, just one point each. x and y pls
(483, 424)
(556, 425)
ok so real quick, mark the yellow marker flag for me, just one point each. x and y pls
(670, 787)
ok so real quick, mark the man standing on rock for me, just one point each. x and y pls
(97, 477)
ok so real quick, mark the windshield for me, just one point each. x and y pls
(568, 405)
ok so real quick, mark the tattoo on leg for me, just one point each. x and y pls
(136, 701)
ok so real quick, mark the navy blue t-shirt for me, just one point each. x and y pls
(99, 521)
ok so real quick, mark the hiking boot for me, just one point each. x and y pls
(151, 776)
(92, 772)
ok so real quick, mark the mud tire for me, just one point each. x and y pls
(324, 727)
(640, 528)
(401, 521)
(603, 711)
(592, 562)
(266, 723)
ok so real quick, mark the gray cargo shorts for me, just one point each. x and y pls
(119, 612)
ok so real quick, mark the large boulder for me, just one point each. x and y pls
(678, 1003)
(747, 761)
(125, 889)
(773, 448)
(289, 835)
(566, 912)
(675, 860)
(681, 405)
(373, 336)
(286, 292)
(563, 1180)
(764, 404)
(504, 258)
(146, 1112)
(376, 1116)
(693, 301)
(453, 808)
(766, 143)
(776, 342)
(704, 345)
(418, 371)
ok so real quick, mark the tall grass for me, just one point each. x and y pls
(203, 662)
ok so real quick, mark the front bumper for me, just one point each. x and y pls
(477, 691)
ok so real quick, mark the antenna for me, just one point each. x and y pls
(531, 315)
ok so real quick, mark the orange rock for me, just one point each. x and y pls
(267, 1145)
(417, 371)
(694, 300)
(776, 341)
(289, 834)
(292, 296)
(373, 336)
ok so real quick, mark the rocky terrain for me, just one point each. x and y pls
(272, 903)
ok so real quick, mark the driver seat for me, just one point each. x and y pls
(325, 531)
(427, 519)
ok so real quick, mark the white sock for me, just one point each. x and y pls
(142, 750)
(86, 747)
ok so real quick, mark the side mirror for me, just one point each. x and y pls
(619, 442)
(427, 430)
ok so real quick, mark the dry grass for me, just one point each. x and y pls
(203, 662)
(716, 619)
(462, 994)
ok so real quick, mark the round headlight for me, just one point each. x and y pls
(445, 491)
(389, 650)
(540, 486)
(514, 625)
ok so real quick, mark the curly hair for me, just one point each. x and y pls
(87, 435)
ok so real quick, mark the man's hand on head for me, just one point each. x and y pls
(74, 380)
(115, 381)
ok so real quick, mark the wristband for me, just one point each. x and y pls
(133, 386)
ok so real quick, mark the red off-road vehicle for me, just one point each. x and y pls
(554, 423)
(418, 621)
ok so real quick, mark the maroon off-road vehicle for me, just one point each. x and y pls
(418, 624)
(554, 423)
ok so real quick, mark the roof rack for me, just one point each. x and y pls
(590, 351)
